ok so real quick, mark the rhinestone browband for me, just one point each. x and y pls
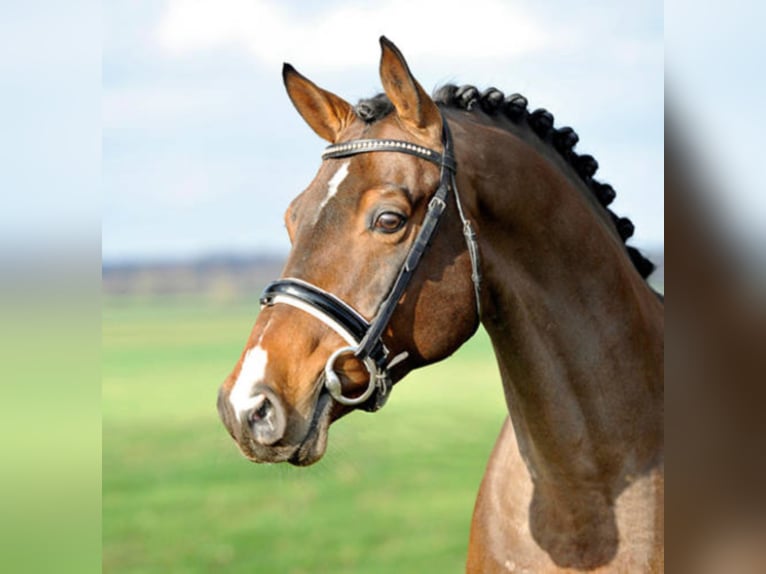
(370, 145)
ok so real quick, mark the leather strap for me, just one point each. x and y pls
(436, 207)
(355, 147)
(366, 338)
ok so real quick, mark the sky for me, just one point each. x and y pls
(202, 150)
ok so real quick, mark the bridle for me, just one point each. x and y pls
(365, 339)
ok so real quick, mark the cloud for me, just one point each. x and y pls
(343, 36)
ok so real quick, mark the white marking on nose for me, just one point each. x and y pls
(252, 372)
(333, 185)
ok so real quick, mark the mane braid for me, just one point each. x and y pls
(563, 140)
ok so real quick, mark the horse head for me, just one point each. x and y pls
(355, 230)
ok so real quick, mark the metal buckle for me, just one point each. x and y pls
(437, 204)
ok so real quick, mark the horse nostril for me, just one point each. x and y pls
(262, 411)
(266, 419)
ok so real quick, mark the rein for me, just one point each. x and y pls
(365, 339)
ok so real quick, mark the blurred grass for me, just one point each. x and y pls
(394, 492)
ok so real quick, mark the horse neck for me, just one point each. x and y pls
(576, 330)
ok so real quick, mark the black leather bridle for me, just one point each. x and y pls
(365, 339)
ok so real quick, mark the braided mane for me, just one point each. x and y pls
(563, 139)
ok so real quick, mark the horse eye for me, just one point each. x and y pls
(389, 222)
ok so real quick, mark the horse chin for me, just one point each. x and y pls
(314, 444)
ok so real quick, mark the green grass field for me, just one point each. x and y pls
(394, 492)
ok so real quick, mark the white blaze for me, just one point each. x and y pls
(252, 372)
(333, 185)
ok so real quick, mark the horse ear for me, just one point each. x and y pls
(324, 112)
(414, 106)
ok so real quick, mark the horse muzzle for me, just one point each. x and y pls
(269, 431)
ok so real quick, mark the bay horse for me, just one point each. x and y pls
(426, 217)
